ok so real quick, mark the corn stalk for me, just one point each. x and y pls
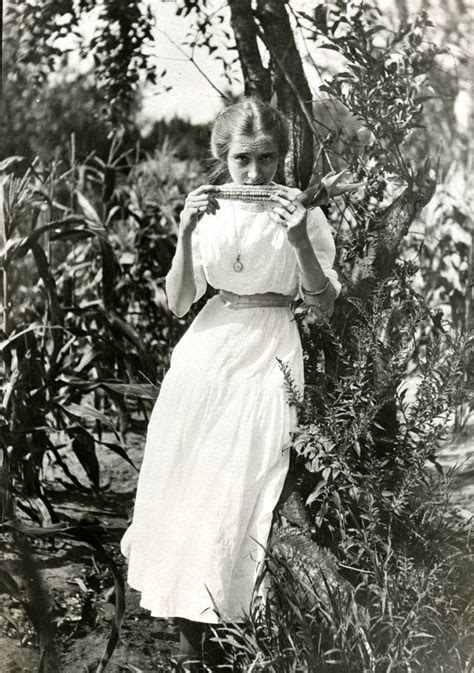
(3, 241)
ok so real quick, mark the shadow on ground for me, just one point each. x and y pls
(81, 590)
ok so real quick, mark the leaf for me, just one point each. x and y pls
(18, 247)
(126, 330)
(147, 391)
(86, 534)
(331, 179)
(316, 493)
(326, 88)
(90, 354)
(337, 499)
(11, 245)
(120, 451)
(109, 268)
(8, 584)
(9, 161)
(44, 271)
(83, 445)
(88, 209)
(329, 46)
(73, 234)
(81, 410)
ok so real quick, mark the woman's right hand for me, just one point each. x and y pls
(198, 202)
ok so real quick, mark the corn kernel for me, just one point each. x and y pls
(246, 193)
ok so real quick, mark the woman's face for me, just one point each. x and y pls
(252, 160)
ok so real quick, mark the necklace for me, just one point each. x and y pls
(237, 264)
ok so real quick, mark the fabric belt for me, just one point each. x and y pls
(236, 301)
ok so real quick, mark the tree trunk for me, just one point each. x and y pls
(257, 80)
(291, 88)
(392, 227)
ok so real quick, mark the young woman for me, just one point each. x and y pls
(214, 462)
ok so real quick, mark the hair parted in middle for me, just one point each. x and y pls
(250, 116)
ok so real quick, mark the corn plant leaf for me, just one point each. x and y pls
(3, 226)
(44, 271)
(147, 391)
(9, 161)
(72, 234)
(120, 451)
(15, 248)
(88, 209)
(75, 382)
(89, 536)
(83, 445)
(8, 584)
(109, 270)
(125, 330)
(81, 410)
(90, 354)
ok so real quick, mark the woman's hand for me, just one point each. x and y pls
(198, 202)
(290, 214)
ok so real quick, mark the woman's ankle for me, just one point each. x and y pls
(191, 636)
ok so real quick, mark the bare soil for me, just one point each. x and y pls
(79, 589)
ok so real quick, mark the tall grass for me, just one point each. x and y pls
(85, 328)
(410, 607)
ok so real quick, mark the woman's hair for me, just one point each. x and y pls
(250, 116)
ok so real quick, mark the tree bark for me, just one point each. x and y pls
(257, 80)
(392, 228)
(287, 66)
(396, 222)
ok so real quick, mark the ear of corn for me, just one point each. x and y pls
(246, 192)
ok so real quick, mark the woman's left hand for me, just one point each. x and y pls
(290, 214)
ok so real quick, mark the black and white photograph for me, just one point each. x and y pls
(237, 336)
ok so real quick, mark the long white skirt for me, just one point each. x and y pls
(214, 464)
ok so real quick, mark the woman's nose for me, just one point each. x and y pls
(254, 171)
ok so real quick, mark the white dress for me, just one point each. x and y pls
(215, 462)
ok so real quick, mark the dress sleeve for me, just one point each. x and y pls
(320, 235)
(199, 276)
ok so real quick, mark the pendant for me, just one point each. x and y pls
(237, 265)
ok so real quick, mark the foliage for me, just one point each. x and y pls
(40, 122)
(60, 353)
(442, 250)
(40, 35)
(407, 611)
(386, 107)
(145, 233)
(90, 314)
(88, 241)
(362, 446)
(361, 458)
(65, 350)
(382, 87)
(385, 70)
(187, 141)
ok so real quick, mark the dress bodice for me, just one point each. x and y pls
(268, 259)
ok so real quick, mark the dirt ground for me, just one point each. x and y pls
(79, 589)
